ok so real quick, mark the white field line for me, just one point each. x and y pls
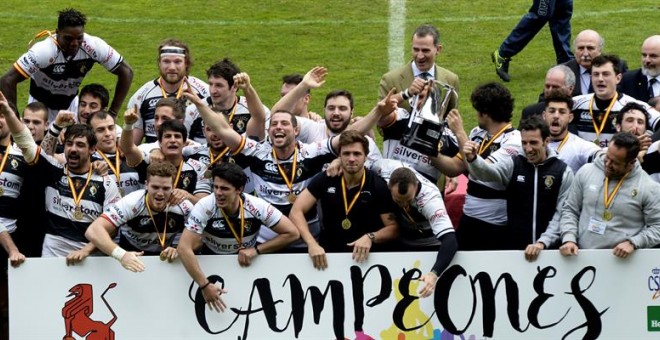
(396, 33)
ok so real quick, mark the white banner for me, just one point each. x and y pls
(482, 294)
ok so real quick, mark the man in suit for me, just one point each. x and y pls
(410, 77)
(588, 45)
(644, 83)
(558, 77)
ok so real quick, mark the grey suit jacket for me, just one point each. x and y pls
(402, 77)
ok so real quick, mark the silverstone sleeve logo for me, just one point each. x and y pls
(77, 311)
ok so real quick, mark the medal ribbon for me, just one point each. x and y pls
(607, 114)
(609, 198)
(41, 35)
(218, 157)
(179, 92)
(348, 207)
(4, 158)
(78, 196)
(115, 169)
(231, 226)
(563, 141)
(483, 147)
(233, 110)
(178, 174)
(289, 182)
(164, 237)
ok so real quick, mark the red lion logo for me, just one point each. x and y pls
(77, 311)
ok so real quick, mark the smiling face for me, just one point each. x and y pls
(159, 189)
(424, 52)
(106, 136)
(77, 153)
(534, 146)
(633, 121)
(651, 56)
(87, 105)
(281, 131)
(338, 113)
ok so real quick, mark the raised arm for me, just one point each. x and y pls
(19, 131)
(453, 166)
(217, 122)
(124, 75)
(126, 144)
(256, 126)
(63, 120)
(314, 78)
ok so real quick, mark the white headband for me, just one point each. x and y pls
(169, 51)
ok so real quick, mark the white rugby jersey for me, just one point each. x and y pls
(486, 201)
(311, 131)
(191, 179)
(131, 216)
(266, 178)
(238, 116)
(393, 149)
(207, 220)
(584, 122)
(576, 152)
(129, 179)
(11, 182)
(200, 153)
(427, 209)
(60, 206)
(149, 94)
(54, 79)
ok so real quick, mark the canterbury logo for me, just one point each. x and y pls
(58, 69)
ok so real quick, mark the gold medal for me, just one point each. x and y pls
(78, 214)
(597, 142)
(2, 191)
(607, 215)
(291, 198)
(346, 224)
(609, 197)
(122, 192)
(163, 257)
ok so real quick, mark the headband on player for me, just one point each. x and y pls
(171, 51)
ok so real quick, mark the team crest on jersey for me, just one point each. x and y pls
(299, 172)
(92, 190)
(145, 221)
(83, 68)
(186, 181)
(240, 125)
(548, 180)
(171, 223)
(14, 164)
(248, 226)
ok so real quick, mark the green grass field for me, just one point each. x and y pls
(268, 39)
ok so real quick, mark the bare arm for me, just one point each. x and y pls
(19, 131)
(124, 75)
(256, 126)
(287, 234)
(100, 233)
(217, 122)
(14, 255)
(189, 242)
(126, 143)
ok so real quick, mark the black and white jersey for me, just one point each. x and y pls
(311, 131)
(148, 96)
(191, 178)
(11, 182)
(54, 78)
(138, 232)
(201, 154)
(129, 179)
(393, 149)
(585, 123)
(238, 116)
(486, 201)
(576, 152)
(101, 191)
(266, 178)
(207, 219)
(427, 215)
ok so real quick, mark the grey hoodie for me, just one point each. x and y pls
(635, 209)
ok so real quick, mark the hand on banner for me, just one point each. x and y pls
(361, 248)
(76, 256)
(533, 250)
(624, 249)
(169, 254)
(131, 262)
(569, 249)
(429, 281)
(16, 258)
(246, 255)
(317, 253)
(212, 294)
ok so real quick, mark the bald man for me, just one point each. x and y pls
(644, 83)
(588, 44)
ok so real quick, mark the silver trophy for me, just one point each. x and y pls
(427, 120)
